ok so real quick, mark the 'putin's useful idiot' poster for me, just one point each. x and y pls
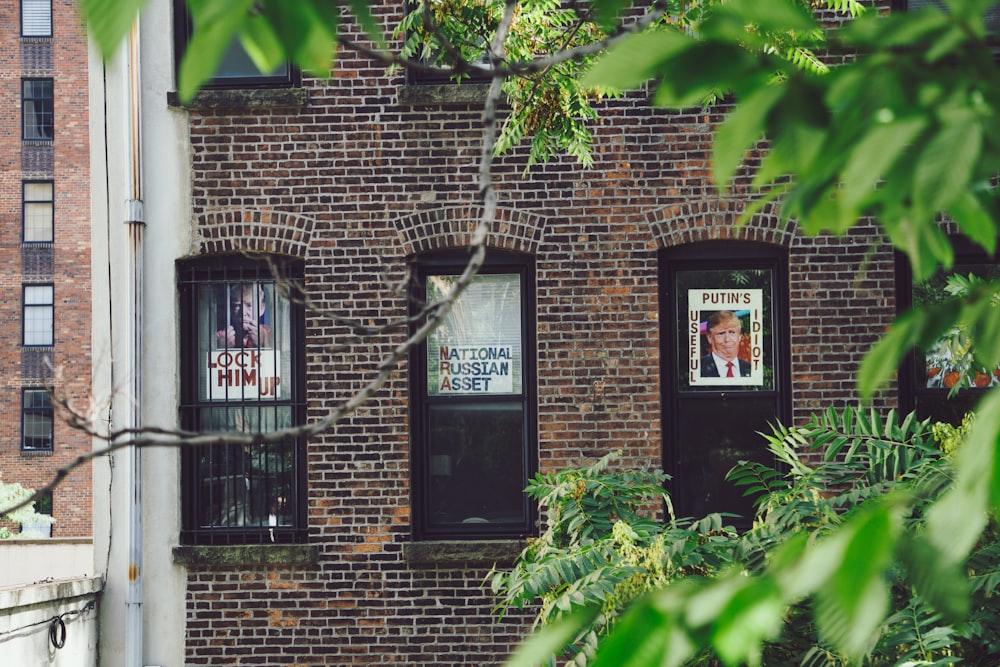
(725, 337)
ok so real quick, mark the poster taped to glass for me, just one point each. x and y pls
(725, 337)
(477, 348)
(242, 364)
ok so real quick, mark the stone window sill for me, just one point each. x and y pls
(302, 555)
(462, 552)
(243, 98)
(443, 94)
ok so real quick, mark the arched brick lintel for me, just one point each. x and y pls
(715, 219)
(252, 230)
(443, 228)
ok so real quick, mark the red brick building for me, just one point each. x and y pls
(45, 252)
(585, 333)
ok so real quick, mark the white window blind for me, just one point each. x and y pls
(36, 18)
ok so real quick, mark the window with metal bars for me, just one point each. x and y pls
(242, 355)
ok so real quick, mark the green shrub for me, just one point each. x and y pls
(603, 544)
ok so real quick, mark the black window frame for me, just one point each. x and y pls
(222, 272)
(25, 23)
(38, 305)
(289, 77)
(914, 396)
(26, 201)
(30, 407)
(718, 256)
(904, 6)
(45, 127)
(453, 262)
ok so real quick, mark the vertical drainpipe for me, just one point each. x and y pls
(134, 221)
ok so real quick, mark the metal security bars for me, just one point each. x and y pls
(242, 356)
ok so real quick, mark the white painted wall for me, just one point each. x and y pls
(29, 561)
(166, 236)
(28, 613)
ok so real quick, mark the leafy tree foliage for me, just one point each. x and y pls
(903, 131)
(600, 551)
(12, 494)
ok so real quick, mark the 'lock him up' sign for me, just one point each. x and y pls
(242, 374)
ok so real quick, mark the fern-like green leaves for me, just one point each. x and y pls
(843, 566)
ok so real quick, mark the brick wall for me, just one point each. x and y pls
(357, 183)
(65, 263)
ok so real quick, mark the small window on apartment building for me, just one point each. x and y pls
(36, 18)
(37, 121)
(36, 420)
(724, 367)
(473, 396)
(37, 211)
(944, 382)
(242, 355)
(236, 70)
(991, 15)
(40, 529)
(39, 306)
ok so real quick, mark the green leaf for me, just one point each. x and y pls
(943, 584)
(649, 634)
(986, 333)
(728, 21)
(109, 21)
(871, 157)
(852, 604)
(551, 639)
(695, 73)
(307, 31)
(975, 221)
(880, 364)
(753, 615)
(636, 59)
(216, 25)
(955, 522)
(742, 129)
(944, 168)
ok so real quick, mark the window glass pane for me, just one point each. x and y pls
(36, 18)
(476, 465)
(949, 362)
(36, 423)
(727, 321)
(236, 64)
(477, 348)
(251, 485)
(244, 340)
(37, 109)
(246, 486)
(713, 435)
(239, 377)
(37, 212)
(38, 315)
(991, 16)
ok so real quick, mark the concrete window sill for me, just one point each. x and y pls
(459, 552)
(302, 555)
(249, 98)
